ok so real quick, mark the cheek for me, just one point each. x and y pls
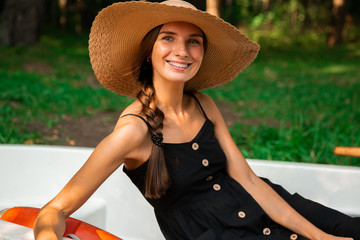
(201, 56)
(198, 55)
(160, 50)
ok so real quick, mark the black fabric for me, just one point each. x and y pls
(130, 114)
(194, 207)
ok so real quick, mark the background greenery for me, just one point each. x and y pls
(296, 102)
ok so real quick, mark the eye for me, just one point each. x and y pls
(167, 38)
(195, 41)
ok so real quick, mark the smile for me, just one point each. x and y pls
(178, 65)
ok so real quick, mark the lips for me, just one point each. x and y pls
(179, 65)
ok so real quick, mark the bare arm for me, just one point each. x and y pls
(106, 158)
(277, 208)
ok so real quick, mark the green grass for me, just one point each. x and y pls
(307, 100)
(295, 103)
(45, 83)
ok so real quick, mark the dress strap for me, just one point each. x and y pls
(157, 138)
(197, 100)
(131, 114)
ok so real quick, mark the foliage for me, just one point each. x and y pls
(284, 21)
(290, 21)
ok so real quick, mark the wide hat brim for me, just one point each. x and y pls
(118, 30)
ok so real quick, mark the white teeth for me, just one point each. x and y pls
(178, 65)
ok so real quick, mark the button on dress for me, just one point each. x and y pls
(203, 201)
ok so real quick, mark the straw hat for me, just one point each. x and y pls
(118, 29)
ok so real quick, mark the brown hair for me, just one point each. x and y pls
(157, 176)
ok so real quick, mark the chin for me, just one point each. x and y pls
(180, 79)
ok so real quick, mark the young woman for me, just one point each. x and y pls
(173, 141)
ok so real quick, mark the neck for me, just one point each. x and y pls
(169, 98)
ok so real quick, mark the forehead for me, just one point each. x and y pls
(181, 27)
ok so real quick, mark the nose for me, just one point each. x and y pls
(181, 50)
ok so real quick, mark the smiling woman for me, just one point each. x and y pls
(173, 141)
(177, 54)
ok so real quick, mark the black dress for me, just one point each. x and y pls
(204, 202)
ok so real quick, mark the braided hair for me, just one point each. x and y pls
(157, 176)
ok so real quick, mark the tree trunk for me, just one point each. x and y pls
(213, 7)
(266, 5)
(337, 22)
(308, 6)
(62, 4)
(21, 22)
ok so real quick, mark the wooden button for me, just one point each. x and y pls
(216, 187)
(293, 236)
(209, 178)
(195, 146)
(205, 162)
(241, 214)
(266, 231)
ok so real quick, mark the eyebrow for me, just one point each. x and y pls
(191, 35)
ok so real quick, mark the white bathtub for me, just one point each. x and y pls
(32, 175)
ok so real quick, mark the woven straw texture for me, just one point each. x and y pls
(117, 32)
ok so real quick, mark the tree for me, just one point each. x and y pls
(213, 7)
(338, 15)
(21, 22)
(266, 5)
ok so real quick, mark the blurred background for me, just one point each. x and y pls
(296, 102)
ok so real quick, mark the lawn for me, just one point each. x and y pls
(297, 104)
(292, 104)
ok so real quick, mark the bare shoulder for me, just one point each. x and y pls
(208, 105)
(203, 98)
(130, 123)
(130, 136)
(128, 141)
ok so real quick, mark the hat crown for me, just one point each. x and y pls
(179, 3)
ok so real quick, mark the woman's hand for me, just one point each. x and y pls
(49, 224)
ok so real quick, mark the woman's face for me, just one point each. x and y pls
(177, 52)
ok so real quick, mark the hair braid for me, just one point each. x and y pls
(157, 176)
